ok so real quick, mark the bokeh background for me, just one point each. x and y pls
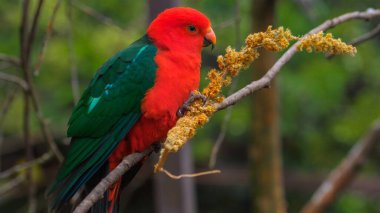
(321, 107)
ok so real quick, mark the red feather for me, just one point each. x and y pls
(178, 59)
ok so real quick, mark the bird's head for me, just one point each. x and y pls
(181, 28)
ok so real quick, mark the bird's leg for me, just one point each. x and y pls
(186, 106)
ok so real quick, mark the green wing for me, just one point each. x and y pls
(108, 109)
(116, 89)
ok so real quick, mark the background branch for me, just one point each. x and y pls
(10, 59)
(11, 184)
(24, 60)
(48, 34)
(340, 177)
(14, 79)
(26, 43)
(72, 58)
(18, 168)
(371, 34)
(95, 14)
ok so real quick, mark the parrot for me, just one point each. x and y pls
(131, 103)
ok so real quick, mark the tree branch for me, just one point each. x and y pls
(33, 30)
(95, 14)
(49, 32)
(357, 41)
(25, 47)
(18, 168)
(33, 95)
(344, 173)
(14, 79)
(11, 184)
(272, 72)
(10, 59)
(111, 178)
(371, 34)
(73, 64)
(5, 108)
(26, 44)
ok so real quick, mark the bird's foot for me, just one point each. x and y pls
(186, 106)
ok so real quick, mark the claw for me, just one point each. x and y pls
(186, 106)
(194, 96)
(181, 111)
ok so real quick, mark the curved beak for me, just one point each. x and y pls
(209, 39)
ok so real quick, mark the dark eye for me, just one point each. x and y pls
(191, 28)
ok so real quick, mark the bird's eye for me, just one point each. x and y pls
(191, 28)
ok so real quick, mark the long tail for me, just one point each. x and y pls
(113, 197)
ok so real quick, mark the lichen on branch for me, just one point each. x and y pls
(326, 44)
(229, 66)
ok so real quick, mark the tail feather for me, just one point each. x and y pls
(113, 197)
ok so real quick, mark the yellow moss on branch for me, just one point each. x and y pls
(229, 66)
(325, 43)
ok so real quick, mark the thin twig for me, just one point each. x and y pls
(371, 34)
(7, 103)
(110, 179)
(12, 184)
(14, 79)
(48, 136)
(177, 177)
(10, 59)
(4, 110)
(33, 29)
(26, 44)
(32, 199)
(97, 15)
(273, 71)
(227, 23)
(24, 31)
(357, 41)
(49, 32)
(29, 152)
(1, 147)
(20, 167)
(73, 64)
(308, 8)
(24, 58)
(341, 176)
(220, 139)
(32, 92)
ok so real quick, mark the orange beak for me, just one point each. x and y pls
(210, 38)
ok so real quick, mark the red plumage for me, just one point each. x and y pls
(178, 59)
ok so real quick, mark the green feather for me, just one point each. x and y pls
(108, 109)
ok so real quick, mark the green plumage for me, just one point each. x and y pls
(108, 109)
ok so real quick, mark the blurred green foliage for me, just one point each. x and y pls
(325, 105)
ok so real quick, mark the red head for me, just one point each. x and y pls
(181, 28)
